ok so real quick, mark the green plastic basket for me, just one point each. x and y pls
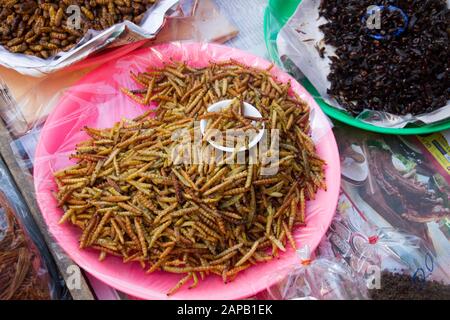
(276, 16)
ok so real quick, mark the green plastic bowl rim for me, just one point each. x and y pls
(270, 34)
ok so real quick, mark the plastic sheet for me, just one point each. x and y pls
(93, 41)
(96, 101)
(324, 278)
(27, 270)
(300, 48)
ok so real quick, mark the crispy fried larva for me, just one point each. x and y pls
(131, 197)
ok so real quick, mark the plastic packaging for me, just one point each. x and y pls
(368, 250)
(400, 252)
(324, 278)
(27, 270)
(355, 247)
(93, 41)
(299, 47)
(96, 101)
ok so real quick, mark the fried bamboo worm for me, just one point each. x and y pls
(289, 235)
(178, 191)
(248, 255)
(179, 284)
(213, 180)
(148, 94)
(86, 232)
(193, 269)
(130, 232)
(157, 233)
(119, 232)
(66, 216)
(161, 259)
(232, 272)
(195, 281)
(140, 234)
(302, 206)
(224, 184)
(277, 243)
(100, 226)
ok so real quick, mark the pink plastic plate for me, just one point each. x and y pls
(96, 101)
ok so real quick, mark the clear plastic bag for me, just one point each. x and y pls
(324, 278)
(397, 251)
(371, 251)
(200, 21)
(27, 270)
(368, 250)
(353, 273)
(93, 41)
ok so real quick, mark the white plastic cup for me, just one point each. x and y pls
(249, 111)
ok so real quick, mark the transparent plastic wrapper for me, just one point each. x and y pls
(323, 278)
(301, 49)
(356, 256)
(201, 21)
(371, 250)
(97, 101)
(27, 271)
(93, 41)
(248, 17)
(411, 253)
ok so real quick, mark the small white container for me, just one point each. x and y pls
(249, 111)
